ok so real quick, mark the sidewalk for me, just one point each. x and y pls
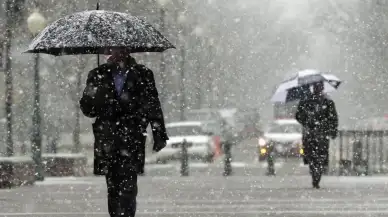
(200, 196)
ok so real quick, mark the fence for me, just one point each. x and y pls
(359, 153)
(351, 153)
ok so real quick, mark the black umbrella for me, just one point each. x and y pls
(92, 32)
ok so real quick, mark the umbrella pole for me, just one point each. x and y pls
(98, 55)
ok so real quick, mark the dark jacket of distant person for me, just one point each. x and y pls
(318, 116)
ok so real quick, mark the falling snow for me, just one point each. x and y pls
(223, 87)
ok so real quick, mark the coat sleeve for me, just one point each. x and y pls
(89, 102)
(301, 115)
(332, 118)
(154, 108)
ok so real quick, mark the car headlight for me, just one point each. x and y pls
(263, 150)
(262, 142)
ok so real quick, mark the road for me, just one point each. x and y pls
(247, 150)
(240, 168)
(195, 196)
(245, 163)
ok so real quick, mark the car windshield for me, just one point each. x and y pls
(285, 128)
(247, 118)
(184, 131)
(212, 127)
(198, 116)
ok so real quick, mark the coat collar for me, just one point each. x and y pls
(129, 61)
(131, 79)
(130, 64)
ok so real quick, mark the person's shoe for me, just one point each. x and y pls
(316, 185)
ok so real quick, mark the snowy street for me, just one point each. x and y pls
(240, 108)
(209, 196)
(240, 168)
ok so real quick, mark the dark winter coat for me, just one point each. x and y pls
(319, 119)
(122, 119)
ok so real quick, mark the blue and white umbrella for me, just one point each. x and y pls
(296, 87)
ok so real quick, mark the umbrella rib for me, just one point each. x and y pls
(91, 30)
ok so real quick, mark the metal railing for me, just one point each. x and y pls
(359, 153)
(353, 153)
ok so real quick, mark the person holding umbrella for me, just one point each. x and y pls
(121, 95)
(318, 116)
(315, 112)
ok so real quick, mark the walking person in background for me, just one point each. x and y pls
(318, 116)
(123, 98)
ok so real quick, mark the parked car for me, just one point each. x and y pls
(205, 114)
(283, 137)
(203, 139)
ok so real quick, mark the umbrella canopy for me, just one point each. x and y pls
(299, 86)
(92, 32)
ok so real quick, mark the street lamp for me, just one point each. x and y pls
(36, 23)
(162, 11)
(181, 19)
(9, 5)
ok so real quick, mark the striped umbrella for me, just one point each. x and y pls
(298, 86)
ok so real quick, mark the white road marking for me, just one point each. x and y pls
(247, 212)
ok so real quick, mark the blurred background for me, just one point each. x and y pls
(230, 55)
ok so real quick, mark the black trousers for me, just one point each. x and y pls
(121, 181)
(316, 156)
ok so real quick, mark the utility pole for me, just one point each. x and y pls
(182, 67)
(77, 127)
(182, 81)
(199, 85)
(36, 22)
(9, 10)
(163, 76)
(210, 76)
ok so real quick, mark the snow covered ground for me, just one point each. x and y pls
(206, 196)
